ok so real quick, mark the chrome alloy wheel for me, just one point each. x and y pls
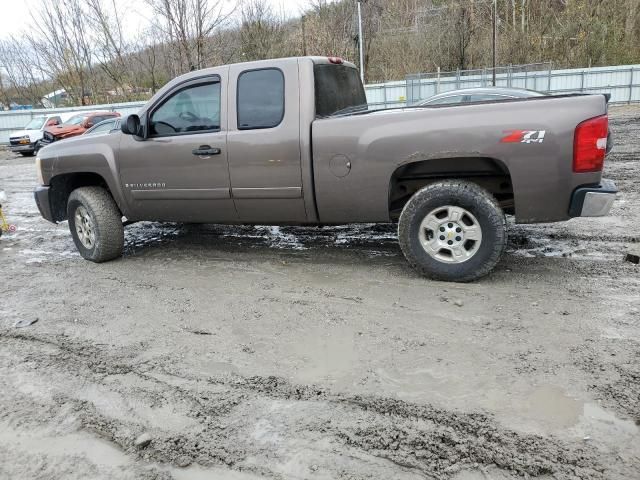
(450, 234)
(85, 228)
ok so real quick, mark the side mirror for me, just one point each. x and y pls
(131, 125)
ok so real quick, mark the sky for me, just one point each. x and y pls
(17, 13)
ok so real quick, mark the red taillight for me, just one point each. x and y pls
(336, 60)
(590, 144)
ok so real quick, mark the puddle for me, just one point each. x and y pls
(195, 472)
(327, 355)
(97, 451)
(597, 417)
(490, 474)
(215, 368)
(411, 384)
(551, 407)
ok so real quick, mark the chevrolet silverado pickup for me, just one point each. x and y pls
(292, 142)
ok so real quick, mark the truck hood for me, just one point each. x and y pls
(86, 143)
(63, 131)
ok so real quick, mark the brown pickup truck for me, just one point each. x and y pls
(292, 142)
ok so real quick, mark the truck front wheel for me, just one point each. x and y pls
(452, 230)
(96, 224)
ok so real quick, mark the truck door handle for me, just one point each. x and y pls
(205, 151)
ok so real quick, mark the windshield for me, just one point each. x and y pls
(338, 88)
(35, 123)
(76, 120)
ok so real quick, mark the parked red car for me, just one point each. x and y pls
(76, 125)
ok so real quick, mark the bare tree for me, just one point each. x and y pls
(149, 59)
(110, 48)
(21, 79)
(261, 31)
(60, 37)
(189, 24)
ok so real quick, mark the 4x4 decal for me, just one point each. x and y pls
(524, 136)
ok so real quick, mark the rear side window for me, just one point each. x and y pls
(487, 98)
(338, 87)
(446, 100)
(260, 99)
(104, 127)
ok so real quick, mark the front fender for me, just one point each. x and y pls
(88, 155)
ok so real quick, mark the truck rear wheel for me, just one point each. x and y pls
(96, 224)
(452, 230)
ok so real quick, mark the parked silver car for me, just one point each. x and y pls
(473, 95)
(106, 126)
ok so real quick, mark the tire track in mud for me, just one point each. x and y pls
(433, 441)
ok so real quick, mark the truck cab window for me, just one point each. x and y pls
(260, 99)
(338, 88)
(192, 109)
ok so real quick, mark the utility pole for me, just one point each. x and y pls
(360, 40)
(495, 37)
(304, 38)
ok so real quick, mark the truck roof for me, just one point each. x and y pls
(257, 64)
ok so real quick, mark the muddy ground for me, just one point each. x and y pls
(296, 353)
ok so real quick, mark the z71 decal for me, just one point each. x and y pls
(524, 136)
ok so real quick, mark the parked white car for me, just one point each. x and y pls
(25, 141)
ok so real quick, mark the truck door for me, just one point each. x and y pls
(264, 142)
(180, 172)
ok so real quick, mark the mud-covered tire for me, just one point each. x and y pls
(458, 193)
(106, 223)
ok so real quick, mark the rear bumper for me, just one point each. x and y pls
(594, 200)
(41, 195)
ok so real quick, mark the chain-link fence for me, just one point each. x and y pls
(424, 85)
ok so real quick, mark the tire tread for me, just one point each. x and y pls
(483, 200)
(110, 231)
